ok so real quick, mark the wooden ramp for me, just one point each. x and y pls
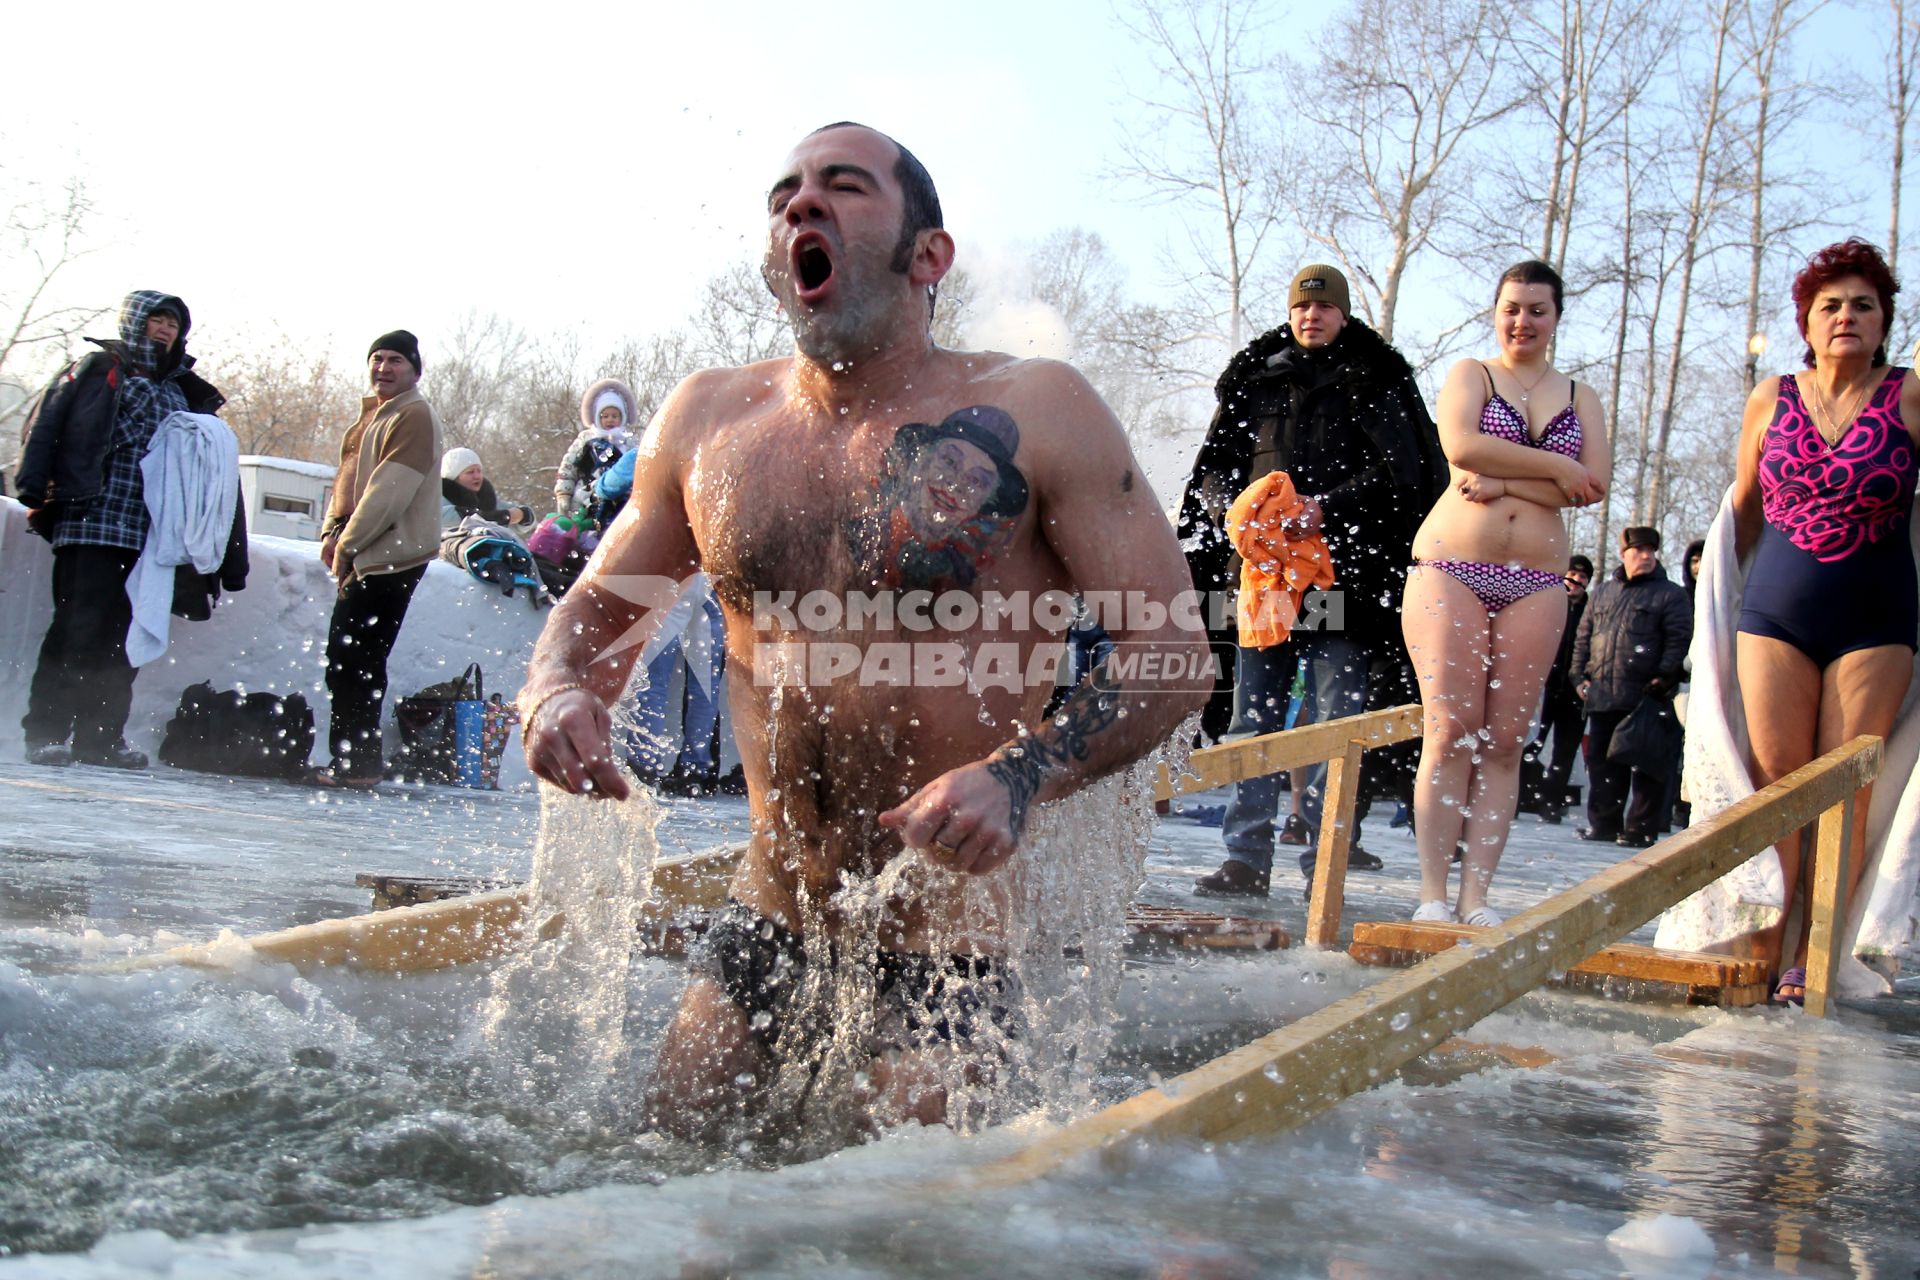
(1287, 1078)
(1624, 970)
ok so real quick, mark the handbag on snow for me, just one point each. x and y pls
(254, 735)
(430, 725)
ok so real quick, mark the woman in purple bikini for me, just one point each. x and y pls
(1485, 604)
(1822, 499)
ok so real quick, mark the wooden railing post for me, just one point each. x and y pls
(1827, 923)
(1336, 838)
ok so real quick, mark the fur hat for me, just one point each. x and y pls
(1640, 535)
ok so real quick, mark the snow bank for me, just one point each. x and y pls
(272, 636)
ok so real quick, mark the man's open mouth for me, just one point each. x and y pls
(812, 265)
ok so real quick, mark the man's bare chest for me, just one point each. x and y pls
(917, 503)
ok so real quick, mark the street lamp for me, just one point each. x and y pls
(1756, 347)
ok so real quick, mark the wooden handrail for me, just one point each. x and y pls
(1268, 753)
(1286, 1078)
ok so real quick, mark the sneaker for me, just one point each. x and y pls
(117, 756)
(1436, 912)
(56, 754)
(1553, 816)
(1234, 880)
(1598, 837)
(1634, 840)
(1295, 832)
(1484, 917)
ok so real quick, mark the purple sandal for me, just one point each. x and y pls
(1794, 977)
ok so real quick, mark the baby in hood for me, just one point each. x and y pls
(607, 414)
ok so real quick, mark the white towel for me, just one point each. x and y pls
(191, 481)
(1881, 922)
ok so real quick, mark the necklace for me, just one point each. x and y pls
(1527, 389)
(1824, 412)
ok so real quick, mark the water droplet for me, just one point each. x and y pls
(1401, 1021)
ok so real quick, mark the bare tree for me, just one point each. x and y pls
(1603, 55)
(1117, 344)
(1208, 150)
(45, 232)
(1774, 105)
(1394, 102)
(508, 395)
(738, 321)
(286, 403)
(1903, 94)
(1707, 108)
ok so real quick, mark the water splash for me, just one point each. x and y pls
(555, 1015)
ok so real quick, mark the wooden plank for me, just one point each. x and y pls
(444, 933)
(1336, 839)
(1622, 960)
(1286, 1078)
(1288, 749)
(1827, 924)
(1623, 971)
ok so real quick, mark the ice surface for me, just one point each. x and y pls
(267, 1122)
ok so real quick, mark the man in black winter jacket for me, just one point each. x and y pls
(1632, 643)
(1326, 400)
(80, 476)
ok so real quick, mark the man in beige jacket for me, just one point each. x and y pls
(382, 529)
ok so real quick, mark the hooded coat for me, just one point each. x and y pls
(77, 424)
(594, 449)
(1351, 410)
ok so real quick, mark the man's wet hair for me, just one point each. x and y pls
(919, 201)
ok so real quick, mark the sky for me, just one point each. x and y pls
(334, 171)
(324, 173)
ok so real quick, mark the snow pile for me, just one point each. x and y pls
(272, 636)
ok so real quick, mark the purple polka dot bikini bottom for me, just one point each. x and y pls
(1495, 586)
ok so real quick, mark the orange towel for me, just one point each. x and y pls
(1277, 566)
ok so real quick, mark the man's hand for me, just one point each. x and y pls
(964, 819)
(568, 741)
(1582, 689)
(328, 545)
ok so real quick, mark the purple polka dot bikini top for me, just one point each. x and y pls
(1832, 500)
(1504, 422)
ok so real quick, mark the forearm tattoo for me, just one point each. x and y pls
(1068, 737)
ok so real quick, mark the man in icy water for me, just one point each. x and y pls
(871, 469)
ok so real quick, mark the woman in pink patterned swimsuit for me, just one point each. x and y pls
(1484, 606)
(1822, 499)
